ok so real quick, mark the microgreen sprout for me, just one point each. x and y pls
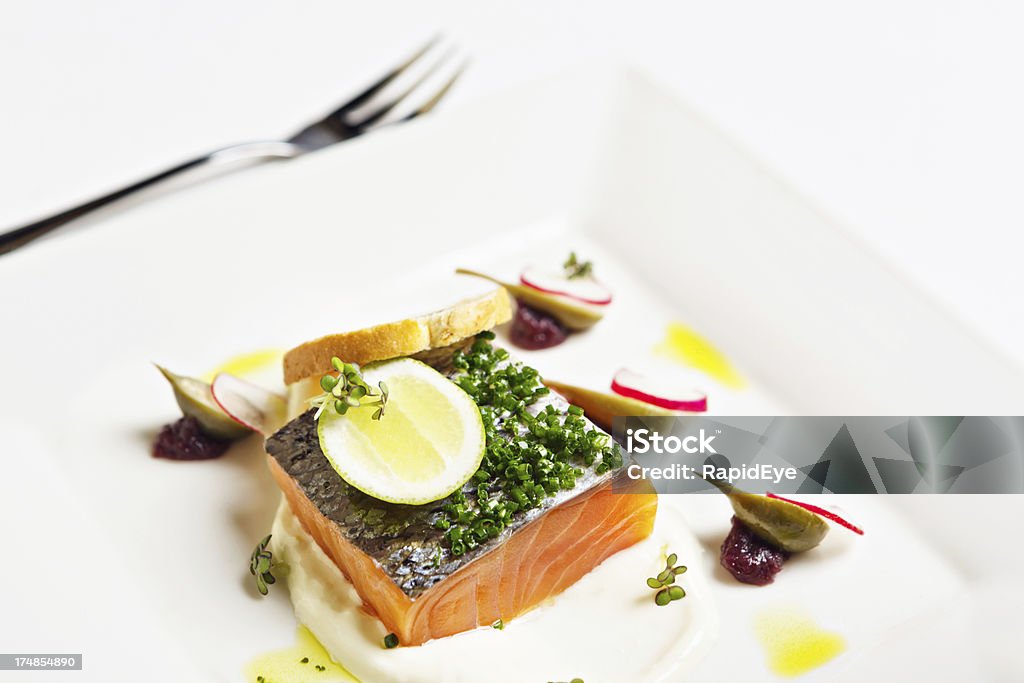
(347, 390)
(576, 269)
(262, 566)
(664, 582)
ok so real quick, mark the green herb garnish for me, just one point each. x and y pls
(348, 390)
(262, 564)
(575, 269)
(664, 582)
(528, 457)
(499, 625)
(390, 641)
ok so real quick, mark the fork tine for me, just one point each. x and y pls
(442, 91)
(375, 88)
(378, 114)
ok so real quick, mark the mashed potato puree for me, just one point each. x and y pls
(603, 629)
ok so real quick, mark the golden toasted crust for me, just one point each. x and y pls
(398, 339)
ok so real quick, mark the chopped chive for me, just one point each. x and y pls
(530, 455)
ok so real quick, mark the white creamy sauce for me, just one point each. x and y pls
(603, 629)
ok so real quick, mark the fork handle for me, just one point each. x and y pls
(249, 151)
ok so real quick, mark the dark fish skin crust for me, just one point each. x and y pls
(401, 538)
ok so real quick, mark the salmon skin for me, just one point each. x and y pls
(402, 566)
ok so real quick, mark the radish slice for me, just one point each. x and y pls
(248, 404)
(585, 289)
(821, 512)
(650, 390)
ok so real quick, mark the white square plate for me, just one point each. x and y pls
(141, 564)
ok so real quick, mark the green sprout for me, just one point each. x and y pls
(262, 566)
(348, 390)
(664, 583)
(576, 269)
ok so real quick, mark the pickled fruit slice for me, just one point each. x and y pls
(781, 523)
(600, 407)
(572, 313)
(196, 400)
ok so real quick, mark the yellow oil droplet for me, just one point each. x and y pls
(683, 345)
(245, 364)
(794, 644)
(287, 666)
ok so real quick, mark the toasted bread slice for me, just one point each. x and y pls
(440, 329)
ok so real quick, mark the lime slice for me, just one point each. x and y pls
(427, 444)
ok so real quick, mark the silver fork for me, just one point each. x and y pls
(335, 127)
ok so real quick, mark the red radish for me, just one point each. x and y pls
(650, 390)
(821, 512)
(248, 404)
(585, 289)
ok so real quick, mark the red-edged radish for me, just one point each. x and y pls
(585, 289)
(821, 512)
(248, 404)
(651, 390)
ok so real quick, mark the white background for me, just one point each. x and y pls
(902, 118)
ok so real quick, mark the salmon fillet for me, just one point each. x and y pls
(537, 562)
(403, 569)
